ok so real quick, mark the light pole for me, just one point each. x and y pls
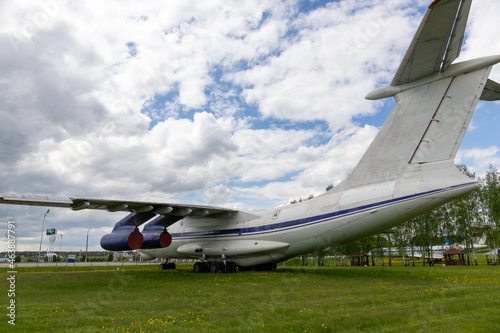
(87, 245)
(41, 237)
(60, 247)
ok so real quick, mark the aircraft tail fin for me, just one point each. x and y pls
(435, 99)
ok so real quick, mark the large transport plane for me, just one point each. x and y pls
(407, 170)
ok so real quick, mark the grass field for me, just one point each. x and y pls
(293, 299)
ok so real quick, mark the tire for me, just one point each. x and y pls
(167, 265)
(221, 266)
(231, 267)
(216, 266)
(198, 267)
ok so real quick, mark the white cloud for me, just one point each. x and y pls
(329, 62)
(478, 160)
(218, 194)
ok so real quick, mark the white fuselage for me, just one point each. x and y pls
(329, 220)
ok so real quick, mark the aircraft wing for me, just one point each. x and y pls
(437, 42)
(172, 209)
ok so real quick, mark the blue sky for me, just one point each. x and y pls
(246, 105)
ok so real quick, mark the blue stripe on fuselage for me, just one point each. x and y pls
(299, 223)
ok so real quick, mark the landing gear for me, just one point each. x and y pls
(214, 267)
(259, 268)
(217, 267)
(231, 267)
(223, 266)
(167, 265)
(200, 267)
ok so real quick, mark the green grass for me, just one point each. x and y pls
(293, 299)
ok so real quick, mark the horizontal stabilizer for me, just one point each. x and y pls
(491, 91)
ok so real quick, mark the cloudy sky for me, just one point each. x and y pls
(245, 104)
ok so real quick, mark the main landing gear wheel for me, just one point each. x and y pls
(200, 267)
(167, 265)
(214, 267)
(217, 267)
(259, 268)
(231, 267)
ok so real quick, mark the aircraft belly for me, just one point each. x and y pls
(231, 248)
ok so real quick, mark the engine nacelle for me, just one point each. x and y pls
(155, 232)
(123, 240)
(125, 235)
(155, 240)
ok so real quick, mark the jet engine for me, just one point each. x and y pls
(155, 232)
(125, 235)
